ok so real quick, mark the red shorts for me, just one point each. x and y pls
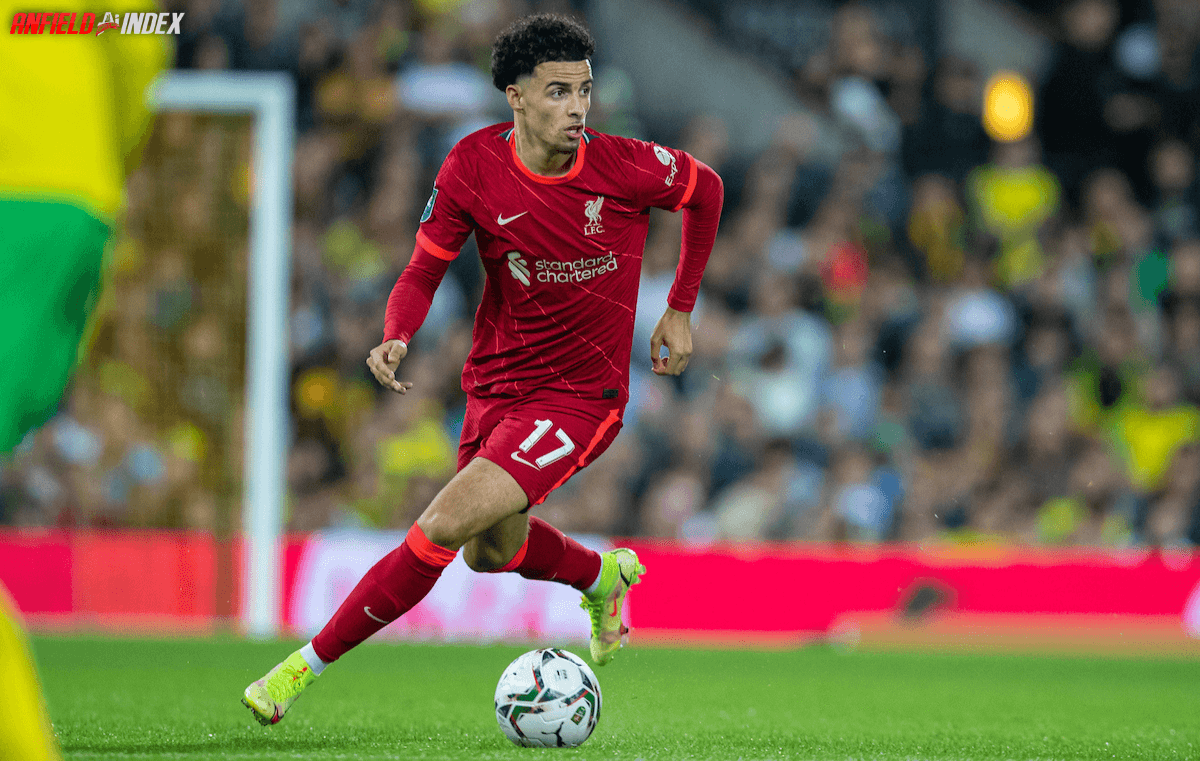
(539, 441)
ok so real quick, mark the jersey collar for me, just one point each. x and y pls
(510, 137)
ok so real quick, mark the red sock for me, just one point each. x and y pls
(548, 555)
(393, 585)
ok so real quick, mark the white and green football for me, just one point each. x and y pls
(548, 698)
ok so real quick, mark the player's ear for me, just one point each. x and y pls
(513, 93)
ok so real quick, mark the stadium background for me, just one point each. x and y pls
(938, 370)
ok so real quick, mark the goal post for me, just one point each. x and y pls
(269, 98)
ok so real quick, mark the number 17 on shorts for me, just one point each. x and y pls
(539, 442)
(540, 429)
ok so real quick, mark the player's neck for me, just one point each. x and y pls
(540, 158)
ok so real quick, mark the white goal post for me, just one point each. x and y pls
(270, 99)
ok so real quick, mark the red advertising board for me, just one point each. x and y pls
(36, 567)
(944, 595)
(766, 594)
(110, 580)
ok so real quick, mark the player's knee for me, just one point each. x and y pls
(442, 529)
(482, 558)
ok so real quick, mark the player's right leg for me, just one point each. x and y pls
(605, 600)
(25, 731)
(480, 496)
(541, 443)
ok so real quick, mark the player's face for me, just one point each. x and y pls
(554, 103)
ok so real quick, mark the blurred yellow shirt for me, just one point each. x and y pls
(1151, 440)
(73, 110)
(1011, 204)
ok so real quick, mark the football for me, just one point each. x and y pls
(548, 699)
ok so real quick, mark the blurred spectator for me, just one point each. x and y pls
(673, 504)
(948, 137)
(1011, 198)
(454, 97)
(853, 385)
(778, 359)
(1075, 96)
(937, 227)
(856, 507)
(1151, 432)
(936, 416)
(861, 63)
(1177, 194)
(1185, 348)
(260, 43)
(975, 313)
(753, 507)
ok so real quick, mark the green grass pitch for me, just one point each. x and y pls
(178, 699)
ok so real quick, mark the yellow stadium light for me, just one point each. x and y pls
(1007, 107)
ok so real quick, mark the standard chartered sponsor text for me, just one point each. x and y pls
(576, 271)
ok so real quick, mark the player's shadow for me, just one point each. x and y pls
(299, 745)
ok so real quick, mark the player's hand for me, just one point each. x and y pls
(674, 331)
(384, 360)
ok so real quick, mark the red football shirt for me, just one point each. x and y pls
(563, 257)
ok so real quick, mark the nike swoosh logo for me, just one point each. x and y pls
(518, 458)
(367, 610)
(502, 221)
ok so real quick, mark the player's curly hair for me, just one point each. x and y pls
(536, 39)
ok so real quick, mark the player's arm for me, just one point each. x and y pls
(701, 205)
(408, 306)
(136, 60)
(444, 228)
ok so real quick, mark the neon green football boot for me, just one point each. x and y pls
(619, 571)
(270, 697)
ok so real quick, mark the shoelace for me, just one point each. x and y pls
(287, 683)
(595, 609)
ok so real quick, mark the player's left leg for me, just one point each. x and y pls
(530, 546)
(533, 548)
(491, 550)
(479, 496)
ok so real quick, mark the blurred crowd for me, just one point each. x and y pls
(937, 336)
